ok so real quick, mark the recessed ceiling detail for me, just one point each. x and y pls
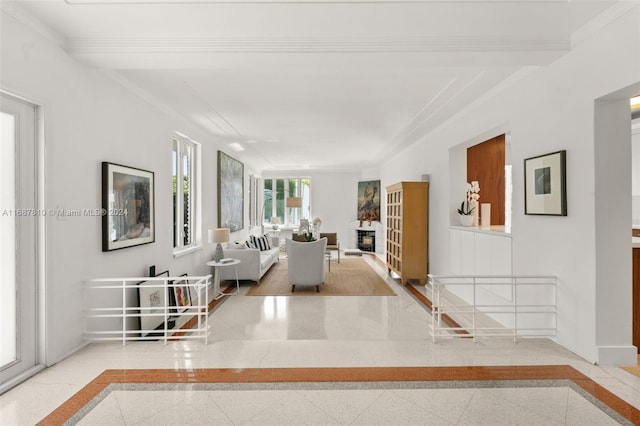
(307, 79)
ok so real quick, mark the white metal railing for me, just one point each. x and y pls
(499, 305)
(112, 308)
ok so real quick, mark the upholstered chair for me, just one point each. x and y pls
(332, 241)
(305, 262)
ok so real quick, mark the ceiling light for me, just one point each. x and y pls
(236, 146)
(635, 102)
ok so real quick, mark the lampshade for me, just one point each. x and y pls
(218, 235)
(275, 220)
(294, 202)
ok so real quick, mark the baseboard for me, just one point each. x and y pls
(617, 355)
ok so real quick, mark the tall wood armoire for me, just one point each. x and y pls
(407, 230)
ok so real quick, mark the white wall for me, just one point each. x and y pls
(550, 109)
(89, 118)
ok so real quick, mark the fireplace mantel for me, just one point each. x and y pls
(377, 227)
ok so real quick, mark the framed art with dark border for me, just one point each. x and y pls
(152, 298)
(545, 187)
(127, 207)
(230, 193)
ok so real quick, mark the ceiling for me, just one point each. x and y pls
(313, 85)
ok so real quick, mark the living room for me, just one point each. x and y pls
(91, 117)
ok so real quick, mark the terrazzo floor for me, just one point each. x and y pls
(322, 361)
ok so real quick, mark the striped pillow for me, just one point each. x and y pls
(250, 244)
(262, 242)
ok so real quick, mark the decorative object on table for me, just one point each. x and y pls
(316, 223)
(369, 201)
(485, 215)
(275, 221)
(545, 187)
(305, 230)
(127, 207)
(468, 208)
(230, 192)
(218, 236)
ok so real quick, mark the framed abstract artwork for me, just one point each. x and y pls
(369, 200)
(230, 193)
(545, 188)
(127, 207)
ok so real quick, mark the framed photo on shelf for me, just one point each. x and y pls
(545, 187)
(230, 193)
(182, 295)
(127, 207)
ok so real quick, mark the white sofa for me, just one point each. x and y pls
(253, 262)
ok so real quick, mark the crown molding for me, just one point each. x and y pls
(311, 45)
(13, 9)
(605, 18)
(181, 2)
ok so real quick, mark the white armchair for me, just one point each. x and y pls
(306, 262)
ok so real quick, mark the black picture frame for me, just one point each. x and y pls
(150, 296)
(128, 207)
(230, 193)
(545, 187)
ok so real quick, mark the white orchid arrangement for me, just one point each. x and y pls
(470, 203)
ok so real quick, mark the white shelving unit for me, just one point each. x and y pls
(112, 311)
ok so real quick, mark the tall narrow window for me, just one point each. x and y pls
(276, 193)
(185, 193)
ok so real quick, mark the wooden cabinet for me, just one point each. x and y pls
(407, 230)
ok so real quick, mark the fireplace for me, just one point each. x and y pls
(373, 233)
(367, 240)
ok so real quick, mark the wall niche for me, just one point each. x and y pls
(486, 164)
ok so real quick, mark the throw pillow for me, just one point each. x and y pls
(262, 242)
(250, 244)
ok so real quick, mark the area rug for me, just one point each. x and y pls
(350, 277)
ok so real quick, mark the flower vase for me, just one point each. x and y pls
(466, 219)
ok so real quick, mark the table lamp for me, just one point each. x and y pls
(275, 221)
(218, 235)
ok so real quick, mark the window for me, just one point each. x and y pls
(276, 193)
(186, 216)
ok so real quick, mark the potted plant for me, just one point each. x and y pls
(467, 210)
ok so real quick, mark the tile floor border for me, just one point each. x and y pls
(343, 378)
